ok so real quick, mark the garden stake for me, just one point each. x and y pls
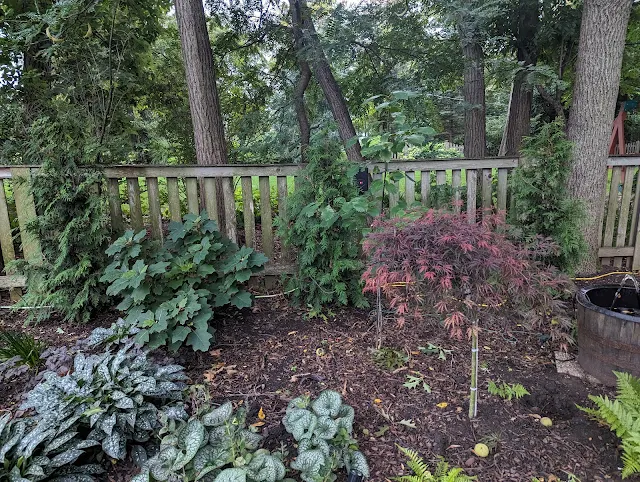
(473, 395)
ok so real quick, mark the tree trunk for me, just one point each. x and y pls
(602, 39)
(302, 82)
(474, 98)
(518, 116)
(519, 112)
(204, 104)
(322, 72)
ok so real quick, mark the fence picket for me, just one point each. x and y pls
(266, 222)
(211, 200)
(456, 175)
(425, 187)
(173, 192)
(26, 210)
(248, 212)
(229, 209)
(135, 206)
(410, 187)
(282, 209)
(472, 181)
(193, 206)
(612, 210)
(115, 207)
(6, 240)
(487, 181)
(502, 189)
(155, 214)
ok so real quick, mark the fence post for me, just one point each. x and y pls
(26, 210)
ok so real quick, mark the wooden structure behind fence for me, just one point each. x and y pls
(148, 196)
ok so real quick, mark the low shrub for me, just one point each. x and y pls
(214, 444)
(169, 292)
(622, 415)
(323, 429)
(22, 345)
(439, 260)
(113, 398)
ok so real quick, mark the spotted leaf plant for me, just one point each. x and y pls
(214, 445)
(169, 291)
(323, 429)
(32, 451)
(116, 397)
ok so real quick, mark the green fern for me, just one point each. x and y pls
(421, 472)
(507, 391)
(622, 415)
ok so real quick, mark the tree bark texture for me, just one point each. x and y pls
(204, 103)
(601, 45)
(519, 112)
(323, 74)
(303, 81)
(474, 98)
(208, 126)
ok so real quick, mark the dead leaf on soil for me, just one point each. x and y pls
(408, 423)
(261, 414)
(381, 431)
(257, 424)
(216, 353)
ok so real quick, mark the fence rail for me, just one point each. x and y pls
(149, 196)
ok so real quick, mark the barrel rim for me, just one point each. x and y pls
(584, 301)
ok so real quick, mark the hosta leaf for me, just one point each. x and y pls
(265, 467)
(30, 441)
(15, 436)
(138, 455)
(125, 403)
(141, 477)
(190, 439)
(16, 476)
(218, 416)
(309, 462)
(108, 423)
(328, 403)
(58, 442)
(35, 470)
(65, 458)
(251, 439)
(326, 428)
(358, 462)
(231, 475)
(175, 413)
(300, 423)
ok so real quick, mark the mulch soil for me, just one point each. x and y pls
(267, 355)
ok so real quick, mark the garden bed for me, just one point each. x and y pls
(268, 354)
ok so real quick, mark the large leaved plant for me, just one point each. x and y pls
(323, 429)
(113, 398)
(42, 449)
(169, 291)
(214, 445)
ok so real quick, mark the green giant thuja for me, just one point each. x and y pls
(323, 429)
(169, 291)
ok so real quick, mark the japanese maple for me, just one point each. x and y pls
(441, 262)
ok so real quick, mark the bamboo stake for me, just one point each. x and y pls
(473, 395)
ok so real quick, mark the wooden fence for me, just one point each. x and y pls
(149, 196)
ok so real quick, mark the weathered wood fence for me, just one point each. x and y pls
(151, 195)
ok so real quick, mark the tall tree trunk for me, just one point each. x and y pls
(322, 72)
(602, 38)
(302, 82)
(475, 132)
(204, 103)
(519, 112)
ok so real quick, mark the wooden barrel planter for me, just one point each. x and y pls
(608, 340)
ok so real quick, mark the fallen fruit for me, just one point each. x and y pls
(481, 450)
(546, 421)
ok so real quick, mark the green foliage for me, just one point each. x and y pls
(117, 396)
(23, 345)
(432, 349)
(416, 380)
(541, 203)
(32, 451)
(422, 473)
(72, 228)
(213, 445)
(324, 222)
(396, 131)
(169, 291)
(622, 415)
(507, 391)
(389, 358)
(323, 428)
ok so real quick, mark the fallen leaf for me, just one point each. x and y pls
(320, 351)
(381, 431)
(442, 405)
(377, 400)
(408, 423)
(216, 353)
(261, 414)
(257, 424)
(291, 333)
